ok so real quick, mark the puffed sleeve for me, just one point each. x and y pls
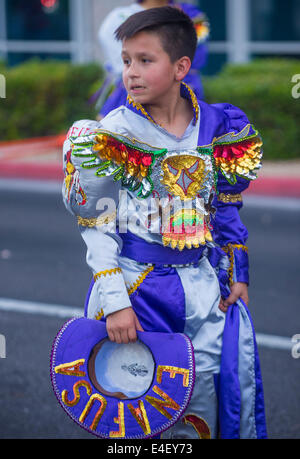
(237, 156)
(92, 198)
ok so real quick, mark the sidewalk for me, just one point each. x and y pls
(41, 159)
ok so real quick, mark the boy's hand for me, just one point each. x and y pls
(238, 290)
(121, 326)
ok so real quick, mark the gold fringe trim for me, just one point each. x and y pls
(99, 315)
(229, 250)
(139, 280)
(227, 198)
(107, 271)
(140, 108)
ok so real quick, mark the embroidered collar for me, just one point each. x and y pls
(185, 92)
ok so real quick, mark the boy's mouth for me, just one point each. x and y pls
(137, 88)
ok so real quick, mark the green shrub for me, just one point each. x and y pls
(46, 97)
(263, 89)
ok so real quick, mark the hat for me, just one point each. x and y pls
(131, 391)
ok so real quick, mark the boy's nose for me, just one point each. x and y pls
(132, 71)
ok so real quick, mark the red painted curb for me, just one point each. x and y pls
(51, 140)
(275, 186)
(267, 186)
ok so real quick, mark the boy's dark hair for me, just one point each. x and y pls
(175, 29)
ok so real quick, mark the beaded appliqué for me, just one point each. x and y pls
(115, 156)
(230, 198)
(71, 181)
(238, 154)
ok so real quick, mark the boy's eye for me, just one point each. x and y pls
(145, 60)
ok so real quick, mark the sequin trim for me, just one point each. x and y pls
(97, 221)
(229, 250)
(238, 156)
(230, 198)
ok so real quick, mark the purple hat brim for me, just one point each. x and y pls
(110, 417)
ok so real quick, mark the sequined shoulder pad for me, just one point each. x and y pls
(124, 158)
(238, 154)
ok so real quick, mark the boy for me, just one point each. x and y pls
(112, 50)
(182, 165)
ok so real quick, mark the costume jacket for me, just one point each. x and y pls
(160, 218)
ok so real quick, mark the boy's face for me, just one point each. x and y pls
(148, 73)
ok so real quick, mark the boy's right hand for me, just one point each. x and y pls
(121, 326)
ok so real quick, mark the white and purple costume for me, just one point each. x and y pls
(173, 243)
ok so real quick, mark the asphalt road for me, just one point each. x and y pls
(42, 259)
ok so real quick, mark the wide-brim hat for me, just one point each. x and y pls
(130, 391)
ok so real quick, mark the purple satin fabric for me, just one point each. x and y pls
(116, 99)
(141, 251)
(260, 417)
(156, 311)
(241, 263)
(229, 387)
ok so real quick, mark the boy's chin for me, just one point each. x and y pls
(139, 99)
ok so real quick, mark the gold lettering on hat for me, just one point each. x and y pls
(71, 368)
(173, 372)
(77, 385)
(160, 405)
(121, 421)
(88, 408)
(140, 416)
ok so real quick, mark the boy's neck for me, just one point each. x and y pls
(173, 114)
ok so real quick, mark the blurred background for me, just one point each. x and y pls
(52, 68)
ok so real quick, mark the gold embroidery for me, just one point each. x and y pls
(229, 249)
(71, 368)
(97, 221)
(121, 421)
(173, 372)
(88, 408)
(227, 198)
(140, 416)
(139, 280)
(160, 405)
(184, 175)
(107, 271)
(77, 385)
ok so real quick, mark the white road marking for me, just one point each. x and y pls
(29, 307)
(271, 202)
(67, 312)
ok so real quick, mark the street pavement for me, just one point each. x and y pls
(44, 274)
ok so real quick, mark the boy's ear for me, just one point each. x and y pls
(183, 66)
